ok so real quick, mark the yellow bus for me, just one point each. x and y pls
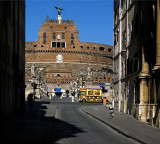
(90, 95)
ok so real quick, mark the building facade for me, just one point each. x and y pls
(12, 57)
(136, 58)
(66, 62)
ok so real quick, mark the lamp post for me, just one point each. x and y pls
(77, 87)
(82, 78)
(34, 86)
(70, 88)
(73, 85)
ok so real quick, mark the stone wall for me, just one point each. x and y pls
(66, 59)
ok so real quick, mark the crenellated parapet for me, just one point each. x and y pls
(55, 21)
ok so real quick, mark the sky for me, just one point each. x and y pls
(94, 18)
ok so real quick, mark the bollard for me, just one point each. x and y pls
(104, 101)
(111, 112)
(72, 98)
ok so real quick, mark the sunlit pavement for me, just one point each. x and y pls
(125, 124)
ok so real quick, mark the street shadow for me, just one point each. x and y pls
(57, 129)
(40, 126)
(63, 129)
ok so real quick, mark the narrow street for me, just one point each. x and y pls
(73, 126)
(61, 121)
(80, 72)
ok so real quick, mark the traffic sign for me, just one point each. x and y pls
(101, 84)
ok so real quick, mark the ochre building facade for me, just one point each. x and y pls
(137, 59)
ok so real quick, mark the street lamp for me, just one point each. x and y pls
(70, 87)
(73, 85)
(40, 77)
(77, 87)
(82, 78)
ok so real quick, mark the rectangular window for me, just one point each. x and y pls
(72, 41)
(63, 36)
(44, 35)
(124, 39)
(58, 44)
(54, 35)
(44, 41)
(53, 44)
(72, 36)
(63, 44)
(90, 92)
(97, 92)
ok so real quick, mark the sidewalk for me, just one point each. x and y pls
(125, 124)
(32, 127)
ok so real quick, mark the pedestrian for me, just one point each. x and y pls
(111, 112)
(67, 91)
(104, 101)
(30, 102)
(73, 93)
(78, 93)
(73, 96)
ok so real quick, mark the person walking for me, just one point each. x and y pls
(30, 103)
(67, 91)
(78, 93)
(73, 96)
(73, 93)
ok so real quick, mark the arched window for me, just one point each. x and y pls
(58, 75)
(101, 48)
(109, 50)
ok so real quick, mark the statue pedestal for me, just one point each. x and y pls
(88, 84)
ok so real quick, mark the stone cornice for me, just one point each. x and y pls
(68, 52)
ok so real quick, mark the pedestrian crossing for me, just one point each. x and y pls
(64, 99)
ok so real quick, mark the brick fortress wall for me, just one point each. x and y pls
(59, 51)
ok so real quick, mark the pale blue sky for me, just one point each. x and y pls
(94, 18)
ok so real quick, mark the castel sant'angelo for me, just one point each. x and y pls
(59, 60)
